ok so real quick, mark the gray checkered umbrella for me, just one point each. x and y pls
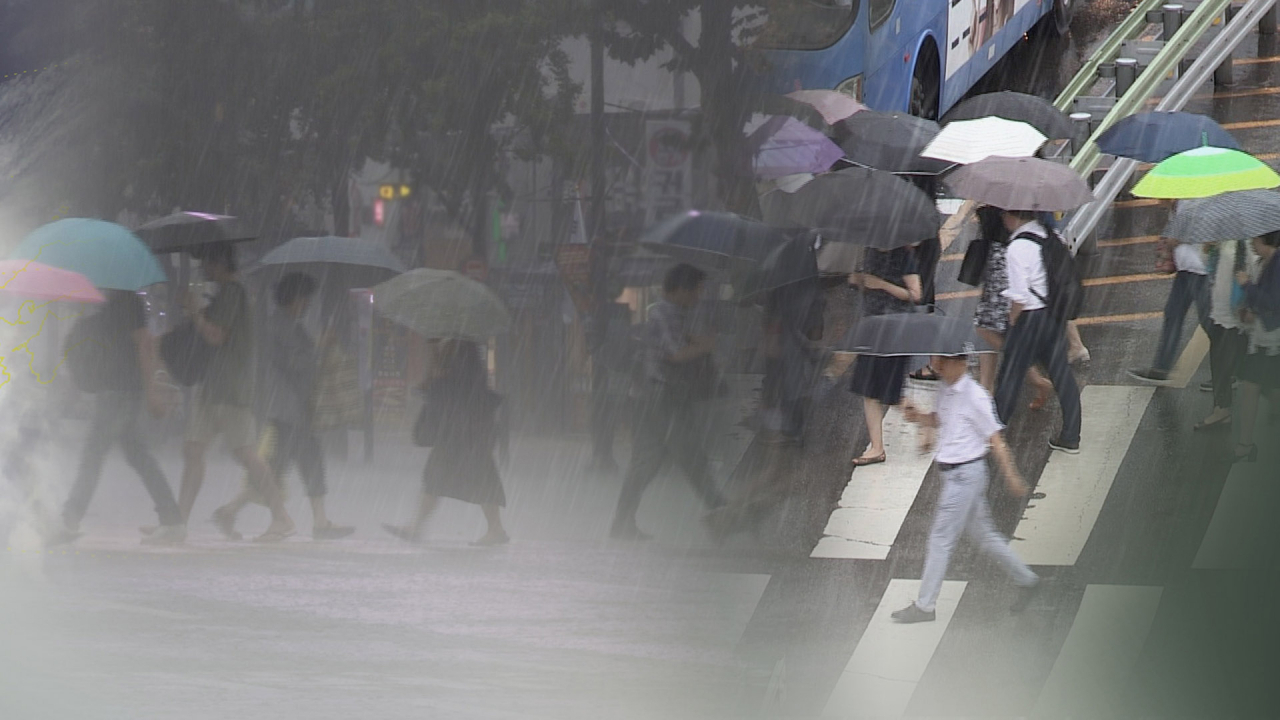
(1229, 216)
(907, 334)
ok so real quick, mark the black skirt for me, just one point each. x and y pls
(466, 472)
(1261, 369)
(879, 378)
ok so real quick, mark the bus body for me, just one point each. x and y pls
(918, 56)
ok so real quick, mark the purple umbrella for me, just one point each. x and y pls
(785, 146)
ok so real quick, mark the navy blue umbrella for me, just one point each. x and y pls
(1156, 136)
(717, 240)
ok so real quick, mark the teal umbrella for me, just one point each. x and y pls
(109, 255)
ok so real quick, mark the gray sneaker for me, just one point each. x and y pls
(167, 535)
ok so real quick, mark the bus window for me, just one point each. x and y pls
(807, 24)
(880, 11)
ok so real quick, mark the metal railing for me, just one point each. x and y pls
(1088, 73)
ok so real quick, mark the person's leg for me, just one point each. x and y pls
(1181, 295)
(989, 363)
(105, 429)
(873, 413)
(686, 444)
(139, 457)
(1220, 372)
(1052, 351)
(1247, 416)
(601, 429)
(1019, 353)
(1078, 352)
(648, 451)
(956, 498)
(496, 534)
(201, 430)
(982, 531)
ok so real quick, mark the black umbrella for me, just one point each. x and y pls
(792, 262)
(713, 239)
(1030, 109)
(889, 142)
(188, 230)
(864, 207)
(900, 334)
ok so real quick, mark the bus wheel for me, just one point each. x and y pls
(924, 86)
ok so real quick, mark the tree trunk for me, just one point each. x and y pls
(341, 204)
(725, 99)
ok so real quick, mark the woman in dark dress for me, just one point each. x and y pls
(890, 283)
(463, 421)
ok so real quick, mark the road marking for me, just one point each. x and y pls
(890, 658)
(1104, 643)
(1055, 528)
(876, 501)
(1241, 534)
(1190, 359)
(1251, 124)
(1256, 60)
(1126, 317)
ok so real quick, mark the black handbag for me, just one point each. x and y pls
(975, 262)
(186, 354)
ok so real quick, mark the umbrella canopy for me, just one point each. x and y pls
(864, 207)
(352, 262)
(442, 304)
(1205, 172)
(107, 254)
(892, 143)
(1021, 107)
(28, 279)
(713, 239)
(791, 262)
(833, 106)
(1021, 184)
(968, 141)
(1157, 136)
(1229, 216)
(785, 146)
(186, 230)
(898, 334)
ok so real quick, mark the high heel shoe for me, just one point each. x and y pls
(1251, 456)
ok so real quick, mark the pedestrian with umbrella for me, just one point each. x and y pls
(1043, 285)
(1154, 137)
(458, 420)
(1260, 368)
(961, 431)
(1019, 107)
(187, 231)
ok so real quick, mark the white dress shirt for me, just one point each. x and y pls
(1025, 268)
(1189, 258)
(966, 421)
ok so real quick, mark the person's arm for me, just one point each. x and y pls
(910, 293)
(213, 333)
(915, 415)
(147, 365)
(1012, 478)
(1017, 291)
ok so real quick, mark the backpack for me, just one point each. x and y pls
(1066, 292)
(85, 356)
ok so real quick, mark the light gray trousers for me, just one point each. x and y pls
(962, 508)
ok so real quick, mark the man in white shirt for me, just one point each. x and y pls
(1190, 285)
(1034, 335)
(965, 420)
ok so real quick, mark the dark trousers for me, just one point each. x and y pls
(1188, 288)
(665, 426)
(1226, 348)
(296, 444)
(606, 412)
(115, 420)
(1036, 338)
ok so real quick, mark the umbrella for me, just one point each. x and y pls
(107, 254)
(442, 304)
(898, 334)
(713, 239)
(1156, 136)
(29, 279)
(1021, 184)
(785, 146)
(864, 207)
(791, 262)
(185, 230)
(889, 142)
(968, 141)
(833, 106)
(1204, 172)
(1229, 216)
(1021, 107)
(357, 262)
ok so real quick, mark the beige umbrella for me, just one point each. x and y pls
(442, 304)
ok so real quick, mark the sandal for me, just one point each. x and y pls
(1207, 424)
(925, 374)
(274, 536)
(865, 461)
(494, 541)
(226, 523)
(404, 534)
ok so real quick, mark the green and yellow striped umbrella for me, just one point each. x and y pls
(1205, 172)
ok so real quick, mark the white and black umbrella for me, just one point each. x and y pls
(188, 230)
(911, 334)
(1229, 216)
(1030, 109)
(864, 207)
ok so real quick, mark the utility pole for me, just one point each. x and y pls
(596, 221)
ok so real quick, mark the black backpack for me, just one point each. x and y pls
(1066, 292)
(85, 353)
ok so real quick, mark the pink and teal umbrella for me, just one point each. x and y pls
(30, 280)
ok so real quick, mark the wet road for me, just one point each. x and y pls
(1159, 559)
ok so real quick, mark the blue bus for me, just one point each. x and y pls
(916, 56)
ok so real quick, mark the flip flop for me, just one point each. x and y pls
(491, 542)
(401, 533)
(274, 536)
(865, 461)
(1202, 425)
(925, 374)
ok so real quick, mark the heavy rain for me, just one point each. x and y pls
(644, 359)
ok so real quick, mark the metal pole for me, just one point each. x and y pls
(1081, 122)
(1172, 19)
(1126, 75)
(1225, 73)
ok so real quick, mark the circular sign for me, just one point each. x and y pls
(667, 147)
